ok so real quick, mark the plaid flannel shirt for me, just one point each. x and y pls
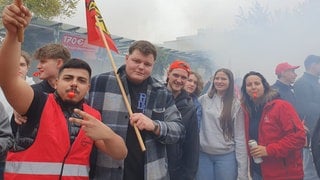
(106, 97)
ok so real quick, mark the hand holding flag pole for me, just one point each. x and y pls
(125, 98)
(20, 30)
(95, 24)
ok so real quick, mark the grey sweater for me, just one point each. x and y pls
(212, 140)
(6, 139)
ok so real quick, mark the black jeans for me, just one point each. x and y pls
(2, 165)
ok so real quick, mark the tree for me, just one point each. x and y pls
(47, 9)
(257, 15)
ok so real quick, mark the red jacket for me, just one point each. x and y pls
(51, 153)
(283, 134)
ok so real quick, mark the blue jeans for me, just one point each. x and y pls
(217, 167)
(2, 166)
(256, 176)
(309, 169)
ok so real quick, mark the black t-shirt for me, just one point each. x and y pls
(34, 112)
(43, 86)
(27, 131)
(134, 162)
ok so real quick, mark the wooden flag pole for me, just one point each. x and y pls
(20, 30)
(125, 98)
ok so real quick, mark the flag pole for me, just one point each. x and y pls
(125, 98)
(20, 30)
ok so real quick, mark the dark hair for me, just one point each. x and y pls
(226, 121)
(76, 64)
(245, 98)
(199, 87)
(145, 47)
(53, 51)
(310, 60)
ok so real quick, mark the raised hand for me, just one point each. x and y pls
(14, 17)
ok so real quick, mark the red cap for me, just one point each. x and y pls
(283, 67)
(181, 65)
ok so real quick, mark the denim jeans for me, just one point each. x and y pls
(309, 169)
(256, 176)
(217, 167)
(2, 166)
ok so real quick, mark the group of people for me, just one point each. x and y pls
(283, 119)
(303, 94)
(72, 126)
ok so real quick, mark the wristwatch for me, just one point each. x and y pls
(156, 127)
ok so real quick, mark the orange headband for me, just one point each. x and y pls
(181, 65)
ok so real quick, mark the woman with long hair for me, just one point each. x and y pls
(222, 140)
(275, 126)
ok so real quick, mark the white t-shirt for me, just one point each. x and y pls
(4, 101)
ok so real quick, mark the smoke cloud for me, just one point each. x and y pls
(241, 35)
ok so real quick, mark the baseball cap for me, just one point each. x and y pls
(283, 67)
(180, 64)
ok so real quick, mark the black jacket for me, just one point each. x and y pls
(315, 146)
(286, 92)
(183, 157)
(307, 92)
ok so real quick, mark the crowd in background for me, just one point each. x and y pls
(191, 130)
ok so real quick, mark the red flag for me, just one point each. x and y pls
(93, 27)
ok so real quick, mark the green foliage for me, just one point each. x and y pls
(47, 9)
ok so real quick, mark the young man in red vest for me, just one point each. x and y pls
(66, 127)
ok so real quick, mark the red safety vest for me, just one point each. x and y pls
(44, 158)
